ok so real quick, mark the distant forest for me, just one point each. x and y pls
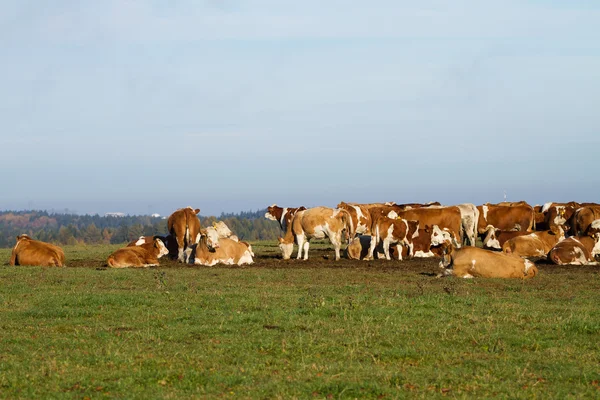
(95, 229)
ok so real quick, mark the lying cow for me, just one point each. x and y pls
(211, 250)
(576, 250)
(33, 252)
(316, 223)
(470, 262)
(536, 244)
(184, 226)
(390, 231)
(143, 255)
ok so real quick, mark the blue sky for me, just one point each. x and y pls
(148, 106)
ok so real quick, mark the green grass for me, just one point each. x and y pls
(286, 330)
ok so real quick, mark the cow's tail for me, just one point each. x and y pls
(349, 225)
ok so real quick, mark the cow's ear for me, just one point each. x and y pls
(203, 232)
(196, 211)
(280, 239)
(427, 228)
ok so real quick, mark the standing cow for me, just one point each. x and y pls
(316, 223)
(184, 226)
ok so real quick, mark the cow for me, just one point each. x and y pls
(184, 226)
(316, 223)
(517, 216)
(470, 262)
(139, 256)
(495, 238)
(361, 216)
(212, 249)
(536, 244)
(358, 248)
(34, 252)
(429, 242)
(392, 231)
(582, 218)
(282, 215)
(448, 218)
(576, 250)
(469, 215)
(224, 232)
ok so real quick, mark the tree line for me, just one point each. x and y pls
(70, 229)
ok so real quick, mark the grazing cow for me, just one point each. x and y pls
(143, 255)
(316, 223)
(282, 215)
(392, 231)
(184, 226)
(358, 249)
(495, 238)
(33, 252)
(470, 262)
(446, 218)
(582, 218)
(576, 250)
(505, 217)
(536, 244)
(212, 250)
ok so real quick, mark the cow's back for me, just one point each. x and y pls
(489, 264)
(34, 252)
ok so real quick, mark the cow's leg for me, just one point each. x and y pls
(306, 246)
(372, 246)
(180, 255)
(386, 250)
(300, 241)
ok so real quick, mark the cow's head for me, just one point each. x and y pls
(491, 241)
(272, 212)
(160, 246)
(286, 248)
(23, 236)
(211, 237)
(440, 236)
(222, 230)
(447, 251)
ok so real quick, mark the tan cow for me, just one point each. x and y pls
(576, 250)
(140, 256)
(470, 262)
(316, 223)
(33, 252)
(283, 215)
(495, 238)
(536, 244)
(212, 250)
(518, 216)
(184, 226)
(391, 231)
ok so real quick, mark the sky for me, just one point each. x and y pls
(227, 105)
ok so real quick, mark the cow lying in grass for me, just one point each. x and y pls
(33, 252)
(143, 255)
(536, 244)
(470, 262)
(212, 250)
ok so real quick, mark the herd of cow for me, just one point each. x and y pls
(567, 233)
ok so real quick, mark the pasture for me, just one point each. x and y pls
(294, 329)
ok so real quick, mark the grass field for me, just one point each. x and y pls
(293, 329)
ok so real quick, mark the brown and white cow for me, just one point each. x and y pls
(518, 216)
(536, 244)
(446, 218)
(143, 255)
(283, 215)
(361, 216)
(212, 249)
(184, 226)
(470, 262)
(391, 231)
(495, 238)
(429, 242)
(469, 219)
(316, 223)
(576, 250)
(582, 218)
(33, 252)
